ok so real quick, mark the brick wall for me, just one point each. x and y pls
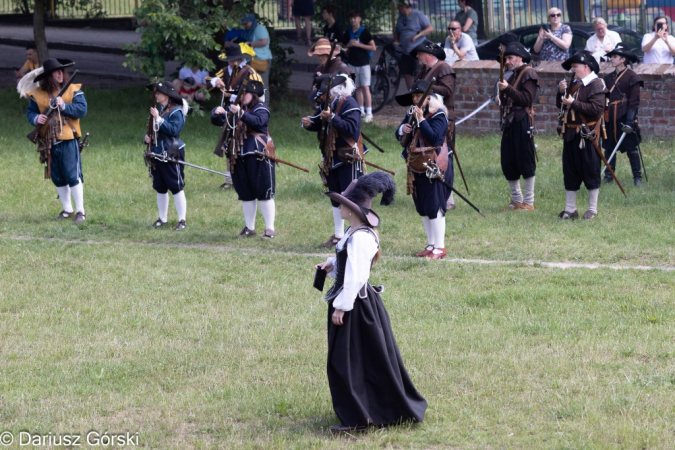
(476, 81)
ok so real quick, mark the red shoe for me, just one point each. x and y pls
(433, 255)
(423, 254)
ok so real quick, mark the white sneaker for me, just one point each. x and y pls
(368, 118)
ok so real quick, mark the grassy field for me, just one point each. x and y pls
(197, 339)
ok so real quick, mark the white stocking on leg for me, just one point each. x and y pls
(529, 191)
(438, 230)
(249, 209)
(570, 201)
(428, 230)
(338, 223)
(593, 200)
(268, 211)
(163, 206)
(64, 196)
(78, 196)
(516, 193)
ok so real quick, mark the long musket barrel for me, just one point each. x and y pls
(281, 161)
(407, 138)
(165, 158)
(370, 141)
(33, 135)
(433, 172)
(599, 152)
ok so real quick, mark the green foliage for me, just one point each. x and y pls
(281, 62)
(371, 11)
(90, 9)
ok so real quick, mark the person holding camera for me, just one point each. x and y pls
(555, 39)
(658, 46)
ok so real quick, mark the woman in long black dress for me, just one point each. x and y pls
(368, 382)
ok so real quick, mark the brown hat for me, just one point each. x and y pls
(322, 47)
(359, 195)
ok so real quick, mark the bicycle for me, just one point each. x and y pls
(386, 75)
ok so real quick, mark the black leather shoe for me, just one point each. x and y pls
(637, 181)
(180, 226)
(64, 215)
(607, 180)
(79, 218)
(588, 215)
(246, 233)
(158, 223)
(565, 215)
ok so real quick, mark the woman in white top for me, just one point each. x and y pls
(368, 383)
(659, 45)
(603, 40)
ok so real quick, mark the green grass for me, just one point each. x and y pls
(196, 339)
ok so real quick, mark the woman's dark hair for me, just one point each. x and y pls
(254, 100)
(656, 19)
(50, 85)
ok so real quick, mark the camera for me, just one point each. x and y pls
(659, 26)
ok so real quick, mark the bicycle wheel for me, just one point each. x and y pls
(379, 91)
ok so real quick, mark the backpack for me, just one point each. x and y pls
(356, 35)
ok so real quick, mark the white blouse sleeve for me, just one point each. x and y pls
(361, 248)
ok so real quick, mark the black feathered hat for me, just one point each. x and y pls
(52, 65)
(233, 53)
(429, 47)
(418, 87)
(624, 51)
(507, 38)
(360, 193)
(322, 81)
(582, 57)
(517, 49)
(168, 90)
(255, 87)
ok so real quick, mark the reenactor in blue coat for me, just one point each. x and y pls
(168, 119)
(58, 139)
(338, 122)
(249, 151)
(428, 129)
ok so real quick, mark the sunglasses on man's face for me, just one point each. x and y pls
(453, 28)
(555, 15)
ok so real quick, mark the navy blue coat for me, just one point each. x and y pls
(256, 121)
(171, 127)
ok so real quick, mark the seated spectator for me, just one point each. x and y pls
(659, 45)
(31, 63)
(458, 46)
(603, 40)
(198, 78)
(189, 91)
(468, 19)
(554, 40)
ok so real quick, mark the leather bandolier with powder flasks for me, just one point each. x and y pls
(512, 112)
(352, 153)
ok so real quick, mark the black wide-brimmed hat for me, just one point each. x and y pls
(429, 47)
(168, 90)
(52, 65)
(517, 49)
(418, 87)
(233, 53)
(582, 57)
(255, 87)
(359, 195)
(322, 81)
(624, 51)
(507, 38)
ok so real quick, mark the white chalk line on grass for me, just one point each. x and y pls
(506, 262)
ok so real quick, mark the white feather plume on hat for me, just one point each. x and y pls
(27, 83)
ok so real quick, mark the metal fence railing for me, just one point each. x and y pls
(494, 16)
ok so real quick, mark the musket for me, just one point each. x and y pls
(644, 169)
(502, 99)
(151, 131)
(84, 142)
(406, 139)
(280, 161)
(616, 148)
(433, 172)
(390, 172)
(599, 152)
(370, 141)
(49, 111)
(164, 157)
(454, 153)
(562, 115)
(227, 131)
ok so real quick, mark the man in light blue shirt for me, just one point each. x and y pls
(411, 27)
(259, 38)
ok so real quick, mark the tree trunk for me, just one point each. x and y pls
(39, 31)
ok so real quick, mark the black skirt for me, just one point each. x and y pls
(368, 382)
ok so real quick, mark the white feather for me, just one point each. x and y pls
(185, 108)
(27, 83)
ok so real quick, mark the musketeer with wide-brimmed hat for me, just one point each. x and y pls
(582, 103)
(229, 80)
(58, 138)
(361, 345)
(168, 119)
(623, 85)
(253, 172)
(518, 93)
(423, 134)
(337, 122)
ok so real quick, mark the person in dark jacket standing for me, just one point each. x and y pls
(169, 120)
(428, 143)
(369, 384)
(338, 122)
(623, 85)
(584, 103)
(517, 148)
(253, 174)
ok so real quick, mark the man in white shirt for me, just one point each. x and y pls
(603, 40)
(659, 45)
(459, 46)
